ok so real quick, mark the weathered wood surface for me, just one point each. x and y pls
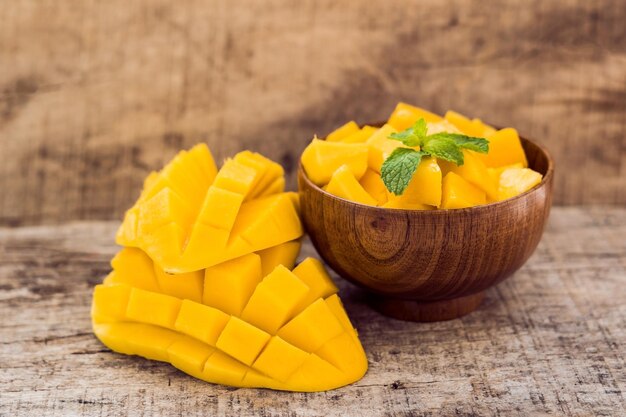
(550, 340)
(93, 95)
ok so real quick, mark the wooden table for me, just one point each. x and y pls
(550, 340)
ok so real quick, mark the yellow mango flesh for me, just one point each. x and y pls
(190, 216)
(286, 331)
(459, 193)
(515, 180)
(380, 146)
(360, 136)
(322, 158)
(423, 189)
(405, 116)
(474, 171)
(505, 148)
(343, 184)
(474, 127)
(343, 132)
(375, 187)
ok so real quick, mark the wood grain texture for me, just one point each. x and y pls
(93, 95)
(549, 341)
(440, 259)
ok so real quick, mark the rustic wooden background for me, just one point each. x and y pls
(93, 95)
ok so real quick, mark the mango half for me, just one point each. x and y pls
(229, 324)
(191, 216)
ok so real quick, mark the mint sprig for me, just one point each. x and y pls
(399, 167)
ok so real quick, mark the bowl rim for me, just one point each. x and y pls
(439, 211)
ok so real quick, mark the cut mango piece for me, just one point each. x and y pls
(343, 132)
(185, 286)
(459, 193)
(375, 187)
(515, 181)
(343, 184)
(187, 215)
(133, 267)
(274, 300)
(313, 327)
(474, 127)
(229, 285)
(202, 322)
(322, 158)
(360, 136)
(279, 359)
(474, 171)
(284, 254)
(242, 340)
(405, 116)
(316, 350)
(424, 187)
(505, 148)
(380, 146)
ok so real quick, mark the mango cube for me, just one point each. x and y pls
(515, 181)
(279, 359)
(505, 148)
(459, 193)
(375, 187)
(321, 159)
(242, 340)
(201, 322)
(424, 187)
(343, 132)
(405, 116)
(343, 184)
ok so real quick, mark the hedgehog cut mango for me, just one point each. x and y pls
(191, 216)
(232, 323)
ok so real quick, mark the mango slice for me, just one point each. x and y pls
(360, 136)
(343, 184)
(424, 187)
(459, 193)
(505, 148)
(405, 116)
(343, 132)
(515, 180)
(286, 330)
(474, 127)
(474, 171)
(190, 216)
(375, 187)
(380, 146)
(322, 158)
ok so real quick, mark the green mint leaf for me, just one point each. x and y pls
(465, 142)
(443, 148)
(414, 135)
(398, 169)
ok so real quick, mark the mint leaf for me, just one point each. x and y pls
(465, 142)
(414, 135)
(443, 148)
(398, 169)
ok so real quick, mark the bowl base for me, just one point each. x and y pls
(425, 311)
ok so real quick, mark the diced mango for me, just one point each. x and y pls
(223, 369)
(361, 136)
(274, 300)
(343, 184)
(321, 159)
(505, 148)
(109, 302)
(242, 340)
(279, 359)
(313, 327)
(474, 127)
(314, 275)
(229, 285)
(515, 181)
(474, 171)
(405, 116)
(189, 355)
(424, 188)
(284, 254)
(343, 132)
(152, 308)
(185, 286)
(459, 193)
(202, 322)
(374, 185)
(380, 146)
(133, 267)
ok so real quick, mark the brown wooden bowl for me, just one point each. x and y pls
(428, 265)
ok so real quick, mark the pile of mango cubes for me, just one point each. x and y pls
(206, 281)
(348, 164)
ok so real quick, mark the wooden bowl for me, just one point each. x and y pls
(428, 265)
